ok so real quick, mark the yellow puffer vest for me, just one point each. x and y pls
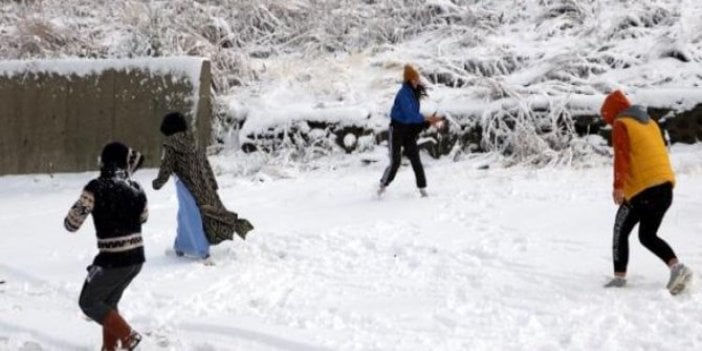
(648, 158)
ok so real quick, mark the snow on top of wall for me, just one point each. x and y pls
(186, 67)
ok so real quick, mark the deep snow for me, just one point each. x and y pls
(494, 259)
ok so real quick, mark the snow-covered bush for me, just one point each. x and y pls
(349, 53)
(528, 133)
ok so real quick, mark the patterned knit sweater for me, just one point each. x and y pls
(119, 208)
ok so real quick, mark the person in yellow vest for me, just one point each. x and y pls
(643, 188)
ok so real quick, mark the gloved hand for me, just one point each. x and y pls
(134, 161)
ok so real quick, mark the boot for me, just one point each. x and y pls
(109, 341)
(115, 325)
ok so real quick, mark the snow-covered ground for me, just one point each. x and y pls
(495, 259)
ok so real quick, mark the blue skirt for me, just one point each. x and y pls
(190, 239)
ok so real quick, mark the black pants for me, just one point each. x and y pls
(404, 136)
(103, 289)
(647, 209)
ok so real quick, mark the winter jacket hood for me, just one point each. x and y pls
(613, 105)
(637, 112)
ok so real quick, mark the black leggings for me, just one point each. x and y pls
(404, 136)
(647, 209)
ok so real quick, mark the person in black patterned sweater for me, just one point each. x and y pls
(119, 208)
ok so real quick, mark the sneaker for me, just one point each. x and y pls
(207, 261)
(381, 190)
(423, 192)
(134, 340)
(616, 282)
(129, 343)
(680, 276)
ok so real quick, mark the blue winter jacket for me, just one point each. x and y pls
(405, 109)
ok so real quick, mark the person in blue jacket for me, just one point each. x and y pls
(406, 122)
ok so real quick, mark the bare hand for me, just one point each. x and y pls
(618, 196)
(433, 119)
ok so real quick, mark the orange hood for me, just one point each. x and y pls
(613, 105)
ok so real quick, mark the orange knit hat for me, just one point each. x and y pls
(410, 73)
(614, 104)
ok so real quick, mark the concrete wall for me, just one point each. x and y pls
(54, 122)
